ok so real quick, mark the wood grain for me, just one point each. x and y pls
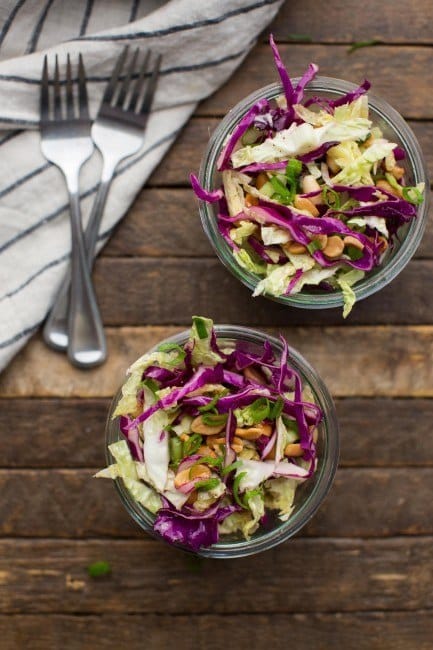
(204, 286)
(164, 222)
(186, 154)
(77, 427)
(384, 362)
(304, 575)
(410, 95)
(363, 631)
(340, 24)
(70, 503)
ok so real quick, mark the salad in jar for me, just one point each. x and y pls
(214, 440)
(312, 193)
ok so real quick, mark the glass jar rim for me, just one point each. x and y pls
(326, 469)
(372, 282)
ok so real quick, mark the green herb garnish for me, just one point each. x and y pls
(200, 327)
(208, 484)
(191, 445)
(331, 198)
(231, 468)
(412, 195)
(236, 494)
(276, 409)
(314, 246)
(214, 419)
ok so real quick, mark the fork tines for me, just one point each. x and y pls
(130, 91)
(51, 107)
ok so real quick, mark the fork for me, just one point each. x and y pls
(118, 132)
(66, 142)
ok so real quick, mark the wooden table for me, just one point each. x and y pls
(360, 574)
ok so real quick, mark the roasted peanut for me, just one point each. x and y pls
(202, 471)
(294, 248)
(293, 449)
(397, 172)
(310, 184)
(198, 426)
(306, 205)
(261, 180)
(390, 162)
(192, 498)
(204, 450)
(369, 141)
(332, 165)
(251, 200)
(384, 185)
(237, 444)
(352, 241)
(334, 247)
(252, 433)
(255, 376)
(184, 437)
(383, 244)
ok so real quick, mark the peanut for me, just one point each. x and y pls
(294, 248)
(192, 498)
(390, 162)
(237, 444)
(310, 184)
(198, 426)
(184, 437)
(255, 376)
(397, 172)
(352, 241)
(334, 247)
(251, 200)
(261, 180)
(199, 471)
(293, 449)
(384, 185)
(204, 450)
(306, 205)
(332, 165)
(252, 433)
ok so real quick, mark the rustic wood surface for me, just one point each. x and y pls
(359, 575)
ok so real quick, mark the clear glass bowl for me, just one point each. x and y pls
(309, 495)
(394, 128)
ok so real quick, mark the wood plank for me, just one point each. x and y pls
(164, 222)
(414, 63)
(70, 503)
(340, 26)
(384, 361)
(204, 286)
(363, 631)
(186, 154)
(77, 425)
(300, 576)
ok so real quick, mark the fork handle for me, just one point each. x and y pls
(55, 330)
(86, 339)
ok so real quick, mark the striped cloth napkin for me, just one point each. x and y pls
(201, 42)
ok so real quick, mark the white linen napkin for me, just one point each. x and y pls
(201, 42)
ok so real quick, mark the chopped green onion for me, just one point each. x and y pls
(259, 410)
(99, 569)
(231, 468)
(314, 246)
(210, 406)
(236, 495)
(291, 425)
(209, 460)
(276, 409)
(353, 252)
(214, 419)
(331, 198)
(151, 384)
(176, 450)
(173, 347)
(267, 189)
(191, 445)
(282, 194)
(208, 484)
(250, 136)
(200, 326)
(293, 169)
(413, 195)
(252, 493)
(393, 182)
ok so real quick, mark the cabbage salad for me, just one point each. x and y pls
(312, 192)
(213, 439)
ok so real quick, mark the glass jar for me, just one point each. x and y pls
(309, 495)
(394, 128)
